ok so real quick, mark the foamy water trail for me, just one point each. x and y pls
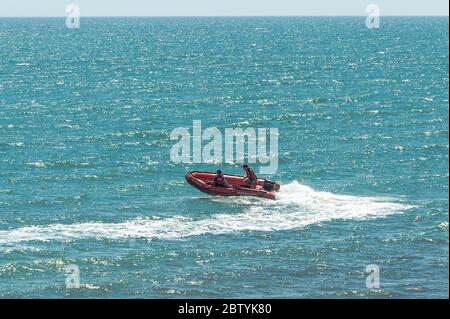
(296, 206)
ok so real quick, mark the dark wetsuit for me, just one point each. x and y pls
(251, 176)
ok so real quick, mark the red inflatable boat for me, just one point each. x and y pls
(203, 181)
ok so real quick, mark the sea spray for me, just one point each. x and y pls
(297, 206)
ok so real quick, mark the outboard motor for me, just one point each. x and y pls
(268, 185)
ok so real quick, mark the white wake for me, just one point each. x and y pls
(296, 206)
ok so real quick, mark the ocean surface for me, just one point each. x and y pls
(86, 177)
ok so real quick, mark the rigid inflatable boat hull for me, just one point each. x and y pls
(203, 181)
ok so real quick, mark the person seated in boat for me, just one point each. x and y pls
(251, 177)
(220, 181)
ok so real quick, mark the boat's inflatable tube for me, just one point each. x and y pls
(203, 181)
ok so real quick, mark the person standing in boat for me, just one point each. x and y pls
(220, 181)
(251, 178)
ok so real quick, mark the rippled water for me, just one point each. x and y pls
(86, 176)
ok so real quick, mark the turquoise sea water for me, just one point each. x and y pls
(86, 177)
